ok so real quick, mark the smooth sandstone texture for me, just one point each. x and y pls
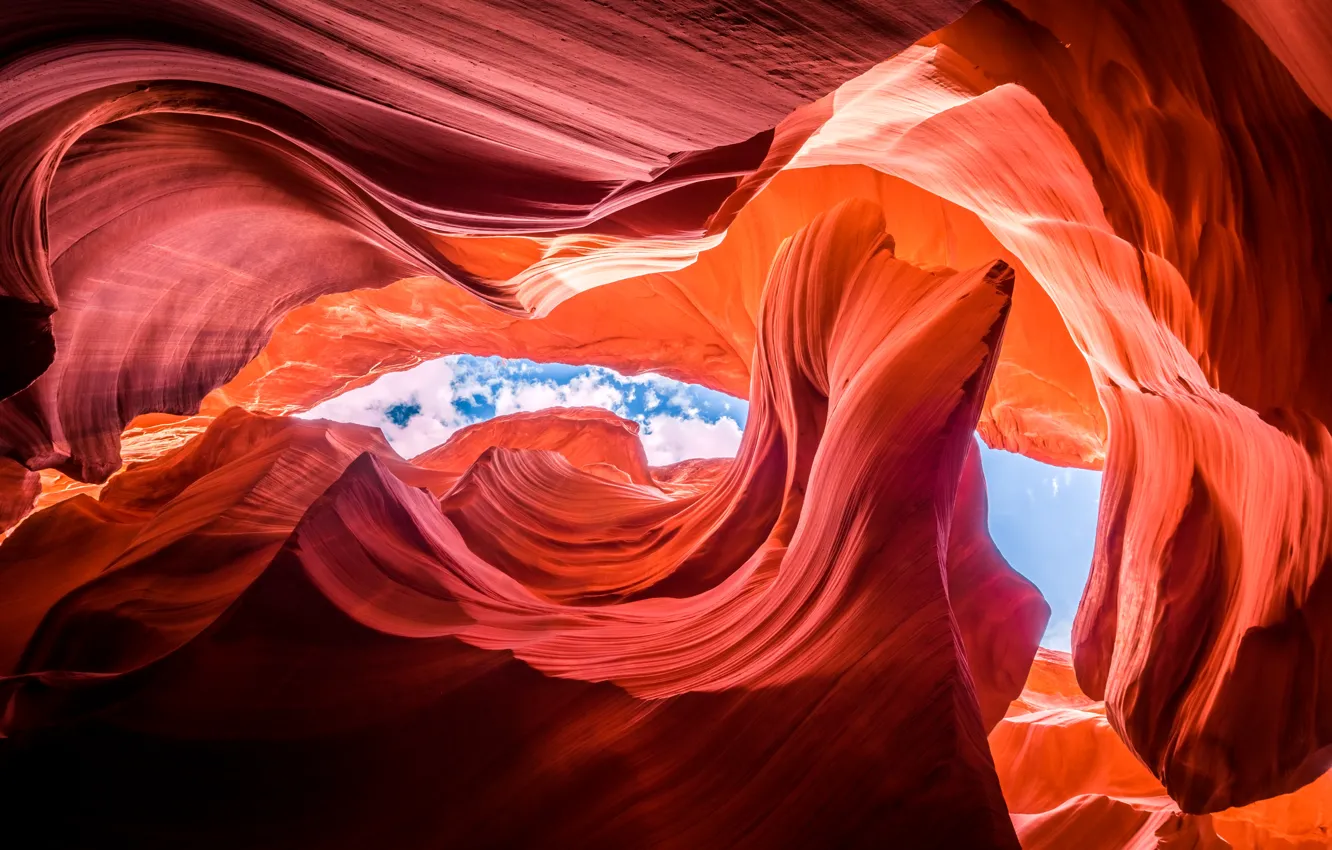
(182, 178)
(1206, 609)
(221, 213)
(1070, 782)
(751, 641)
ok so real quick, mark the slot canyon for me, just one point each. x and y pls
(294, 556)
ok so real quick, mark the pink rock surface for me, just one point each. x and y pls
(221, 213)
(753, 638)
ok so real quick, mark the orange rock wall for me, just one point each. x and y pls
(1097, 233)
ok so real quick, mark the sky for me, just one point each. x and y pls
(1042, 518)
(422, 407)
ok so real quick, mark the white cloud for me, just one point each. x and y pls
(640, 378)
(668, 439)
(588, 390)
(425, 400)
(429, 386)
(1058, 634)
(421, 434)
(1054, 487)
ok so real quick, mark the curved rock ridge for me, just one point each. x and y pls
(178, 178)
(20, 488)
(1204, 614)
(587, 437)
(224, 212)
(732, 626)
(1070, 782)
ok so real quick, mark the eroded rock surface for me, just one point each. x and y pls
(1099, 234)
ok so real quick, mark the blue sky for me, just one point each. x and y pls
(1042, 518)
(421, 407)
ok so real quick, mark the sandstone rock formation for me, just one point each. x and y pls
(1070, 782)
(692, 645)
(1099, 234)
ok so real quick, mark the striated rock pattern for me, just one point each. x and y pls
(1098, 234)
(754, 640)
(179, 177)
(1070, 782)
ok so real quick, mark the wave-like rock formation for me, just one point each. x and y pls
(1071, 782)
(696, 646)
(1099, 234)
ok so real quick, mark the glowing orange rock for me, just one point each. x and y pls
(1070, 782)
(706, 642)
(1138, 190)
(159, 230)
(1209, 585)
(1298, 33)
(585, 437)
